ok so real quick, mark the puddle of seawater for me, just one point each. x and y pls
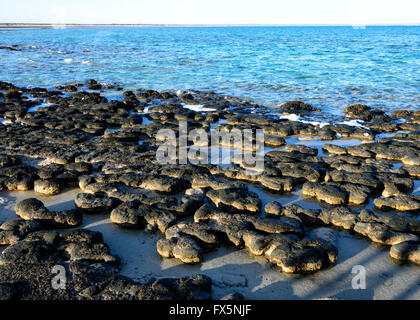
(42, 105)
(5, 121)
(146, 121)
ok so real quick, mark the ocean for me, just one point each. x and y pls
(328, 67)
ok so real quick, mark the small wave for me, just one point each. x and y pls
(295, 117)
(291, 117)
(197, 107)
(181, 92)
(354, 123)
(146, 110)
(86, 62)
(68, 60)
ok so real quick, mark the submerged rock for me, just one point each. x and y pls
(274, 238)
(297, 106)
(298, 148)
(273, 209)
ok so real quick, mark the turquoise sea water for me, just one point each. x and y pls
(330, 67)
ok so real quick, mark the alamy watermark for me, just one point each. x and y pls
(359, 280)
(60, 278)
(221, 147)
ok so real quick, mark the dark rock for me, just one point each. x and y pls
(47, 187)
(33, 209)
(293, 106)
(236, 200)
(134, 214)
(98, 202)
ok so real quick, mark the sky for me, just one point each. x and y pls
(266, 12)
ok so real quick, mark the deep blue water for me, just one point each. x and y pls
(330, 67)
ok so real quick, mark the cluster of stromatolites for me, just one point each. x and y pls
(74, 137)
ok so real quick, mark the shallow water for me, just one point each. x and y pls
(330, 67)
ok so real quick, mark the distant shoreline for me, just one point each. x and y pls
(76, 25)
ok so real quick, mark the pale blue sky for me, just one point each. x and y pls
(289, 12)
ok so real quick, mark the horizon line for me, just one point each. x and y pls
(42, 24)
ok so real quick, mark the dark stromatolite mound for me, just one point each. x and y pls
(236, 200)
(15, 230)
(33, 209)
(399, 202)
(108, 149)
(297, 106)
(274, 238)
(47, 187)
(406, 251)
(98, 202)
(196, 287)
(297, 148)
(155, 213)
(327, 193)
(87, 270)
(337, 193)
(361, 111)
